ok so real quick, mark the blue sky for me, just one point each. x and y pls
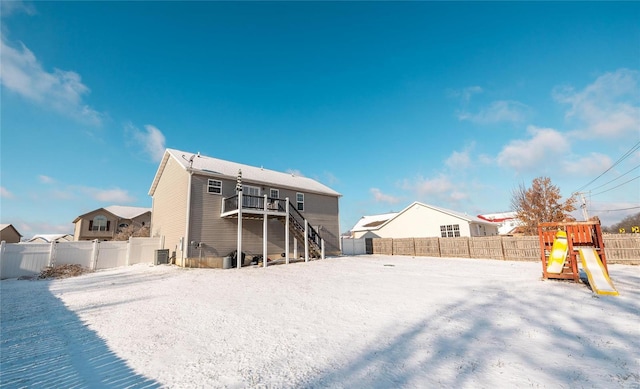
(452, 104)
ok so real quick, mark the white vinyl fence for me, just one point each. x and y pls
(353, 246)
(28, 259)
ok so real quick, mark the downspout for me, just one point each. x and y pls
(185, 241)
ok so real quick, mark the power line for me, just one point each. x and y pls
(624, 156)
(617, 186)
(613, 210)
(620, 176)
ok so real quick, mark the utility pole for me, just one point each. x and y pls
(583, 205)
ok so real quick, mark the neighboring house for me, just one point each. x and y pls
(367, 224)
(48, 238)
(9, 234)
(104, 223)
(420, 220)
(507, 222)
(195, 208)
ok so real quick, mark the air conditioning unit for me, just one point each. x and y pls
(162, 257)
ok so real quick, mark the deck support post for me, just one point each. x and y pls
(306, 240)
(322, 248)
(286, 233)
(264, 234)
(239, 247)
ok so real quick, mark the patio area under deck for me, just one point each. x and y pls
(257, 207)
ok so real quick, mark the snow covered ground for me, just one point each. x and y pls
(350, 322)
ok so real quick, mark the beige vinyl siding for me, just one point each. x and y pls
(169, 209)
(86, 234)
(9, 235)
(320, 210)
(219, 235)
(77, 229)
(421, 222)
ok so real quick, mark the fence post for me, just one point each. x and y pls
(2, 247)
(52, 254)
(413, 240)
(127, 260)
(94, 255)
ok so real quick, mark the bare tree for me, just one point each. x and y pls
(132, 231)
(627, 224)
(540, 204)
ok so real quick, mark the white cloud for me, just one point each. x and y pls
(459, 159)
(440, 188)
(609, 107)
(545, 144)
(8, 8)
(331, 178)
(438, 185)
(466, 93)
(380, 197)
(46, 179)
(585, 166)
(295, 172)
(150, 140)
(5, 193)
(60, 90)
(115, 196)
(498, 112)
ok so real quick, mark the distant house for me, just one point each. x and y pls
(196, 208)
(420, 220)
(367, 224)
(104, 223)
(9, 234)
(48, 238)
(507, 222)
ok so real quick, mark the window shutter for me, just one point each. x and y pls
(90, 225)
(108, 223)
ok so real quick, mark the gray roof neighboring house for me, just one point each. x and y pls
(372, 222)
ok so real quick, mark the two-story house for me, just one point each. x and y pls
(104, 223)
(206, 208)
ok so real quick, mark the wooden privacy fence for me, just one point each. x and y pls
(620, 248)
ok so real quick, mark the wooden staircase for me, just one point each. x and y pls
(296, 226)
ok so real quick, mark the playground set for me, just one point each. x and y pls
(564, 245)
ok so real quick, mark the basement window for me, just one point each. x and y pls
(214, 186)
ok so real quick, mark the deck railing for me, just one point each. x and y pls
(256, 203)
(250, 202)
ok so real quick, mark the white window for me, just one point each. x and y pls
(450, 231)
(214, 186)
(99, 223)
(300, 201)
(273, 202)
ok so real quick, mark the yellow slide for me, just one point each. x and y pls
(558, 253)
(597, 274)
